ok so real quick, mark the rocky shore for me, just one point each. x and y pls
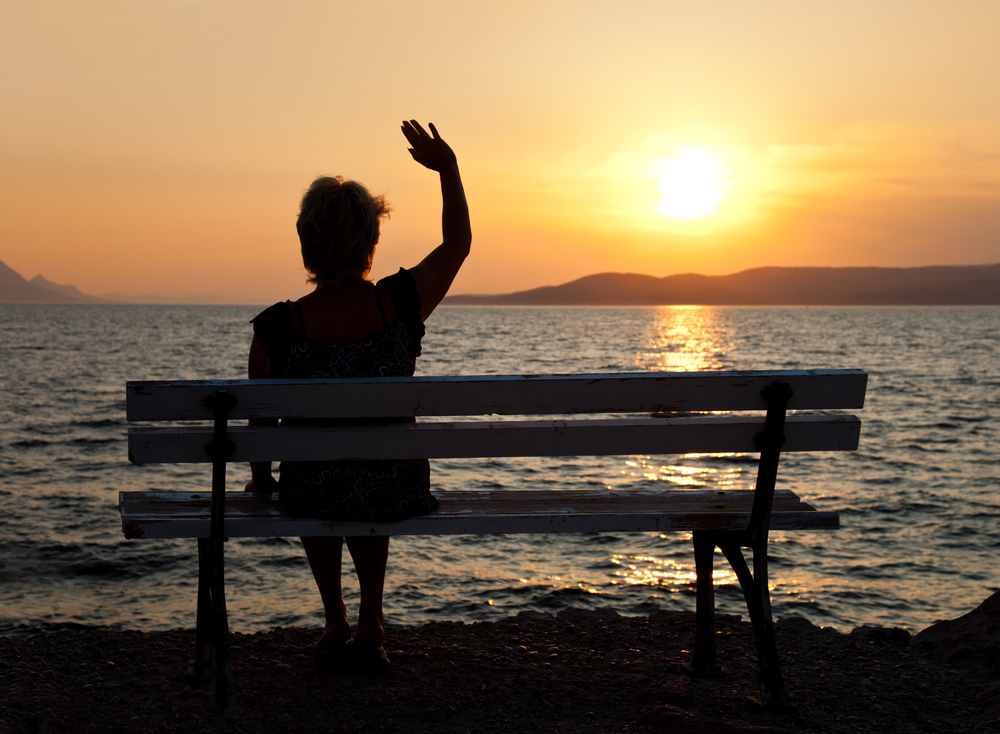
(583, 671)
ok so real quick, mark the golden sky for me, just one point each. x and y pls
(162, 145)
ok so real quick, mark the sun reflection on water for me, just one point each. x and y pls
(683, 339)
(639, 570)
(692, 471)
(686, 339)
(689, 339)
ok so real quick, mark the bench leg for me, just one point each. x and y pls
(223, 683)
(203, 632)
(220, 448)
(772, 689)
(703, 663)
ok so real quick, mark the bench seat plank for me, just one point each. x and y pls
(187, 515)
(707, 434)
(642, 392)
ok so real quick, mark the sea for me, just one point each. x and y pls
(919, 500)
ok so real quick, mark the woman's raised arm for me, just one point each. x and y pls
(436, 272)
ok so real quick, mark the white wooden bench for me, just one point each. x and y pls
(681, 416)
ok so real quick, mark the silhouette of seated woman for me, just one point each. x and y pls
(351, 327)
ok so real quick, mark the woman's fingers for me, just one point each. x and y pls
(428, 149)
(413, 131)
(412, 136)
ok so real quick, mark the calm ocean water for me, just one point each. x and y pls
(919, 501)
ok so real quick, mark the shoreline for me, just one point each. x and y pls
(584, 670)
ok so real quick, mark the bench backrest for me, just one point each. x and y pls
(644, 392)
(674, 396)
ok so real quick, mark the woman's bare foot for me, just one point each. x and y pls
(371, 634)
(337, 629)
(369, 627)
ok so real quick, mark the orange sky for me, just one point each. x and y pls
(162, 145)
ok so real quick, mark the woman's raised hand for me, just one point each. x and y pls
(428, 149)
(434, 274)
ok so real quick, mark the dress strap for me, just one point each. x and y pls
(381, 308)
(302, 321)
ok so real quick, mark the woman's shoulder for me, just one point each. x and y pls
(271, 312)
(402, 290)
(273, 323)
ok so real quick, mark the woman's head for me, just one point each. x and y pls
(338, 227)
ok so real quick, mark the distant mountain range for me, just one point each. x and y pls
(937, 285)
(15, 289)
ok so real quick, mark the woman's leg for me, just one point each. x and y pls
(324, 554)
(370, 555)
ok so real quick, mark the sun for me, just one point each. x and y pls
(692, 183)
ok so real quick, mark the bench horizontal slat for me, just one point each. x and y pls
(187, 515)
(497, 395)
(709, 434)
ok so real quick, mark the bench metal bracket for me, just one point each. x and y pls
(212, 635)
(772, 689)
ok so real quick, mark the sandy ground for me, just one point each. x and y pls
(584, 671)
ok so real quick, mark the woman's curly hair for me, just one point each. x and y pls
(338, 227)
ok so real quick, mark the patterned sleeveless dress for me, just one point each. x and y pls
(369, 491)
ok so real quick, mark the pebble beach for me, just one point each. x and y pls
(580, 671)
